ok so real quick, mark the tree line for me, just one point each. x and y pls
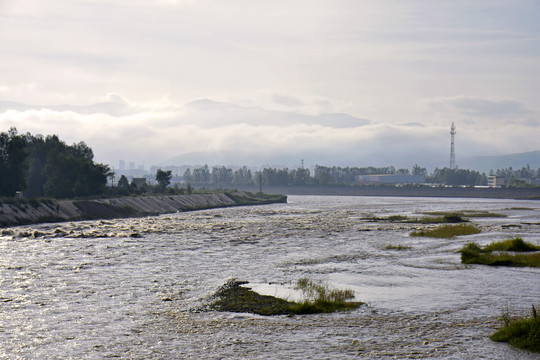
(46, 166)
(322, 175)
(222, 176)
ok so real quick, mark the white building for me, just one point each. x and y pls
(496, 181)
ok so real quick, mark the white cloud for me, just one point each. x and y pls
(155, 136)
(484, 111)
(292, 61)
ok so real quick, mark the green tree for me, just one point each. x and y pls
(449, 176)
(13, 166)
(221, 176)
(419, 171)
(123, 183)
(242, 176)
(163, 177)
(300, 176)
(187, 176)
(59, 170)
(201, 175)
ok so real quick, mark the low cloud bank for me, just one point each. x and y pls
(225, 133)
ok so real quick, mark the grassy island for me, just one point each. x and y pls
(503, 253)
(319, 298)
(448, 231)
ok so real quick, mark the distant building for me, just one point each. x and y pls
(390, 179)
(122, 165)
(496, 181)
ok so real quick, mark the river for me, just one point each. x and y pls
(134, 288)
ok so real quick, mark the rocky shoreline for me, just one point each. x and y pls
(49, 210)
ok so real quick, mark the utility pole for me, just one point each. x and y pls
(452, 147)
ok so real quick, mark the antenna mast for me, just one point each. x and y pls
(452, 148)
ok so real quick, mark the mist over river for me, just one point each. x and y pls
(134, 288)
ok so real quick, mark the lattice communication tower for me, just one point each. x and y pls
(452, 148)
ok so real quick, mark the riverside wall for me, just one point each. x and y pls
(48, 210)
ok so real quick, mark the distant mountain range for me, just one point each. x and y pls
(516, 161)
(478, 163)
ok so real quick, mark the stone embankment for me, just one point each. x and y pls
(48, 210)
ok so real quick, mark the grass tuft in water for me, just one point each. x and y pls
(446, 218)
(466, 213)
(448, 231)
(397, 247)
(319, 298)
(474, 254)
(522, 333)
(516, 244)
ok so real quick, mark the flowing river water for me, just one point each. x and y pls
(133, 288)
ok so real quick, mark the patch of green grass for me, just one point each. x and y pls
(446, 218)
(474, 254)
(466, 213)
(470, 256)
(319, 298)
(517, 245)
(448, 231)
(391, 218)
(522, 333)
(509, 226)
(397, 247)
(234, 297)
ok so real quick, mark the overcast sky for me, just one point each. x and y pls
(274, 72)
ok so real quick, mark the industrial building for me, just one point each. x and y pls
(390, 179)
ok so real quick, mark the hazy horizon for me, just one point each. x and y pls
(352, 83)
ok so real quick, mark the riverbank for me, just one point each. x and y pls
(20, 212)
(405, 191)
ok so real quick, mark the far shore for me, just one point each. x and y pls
(404, 191)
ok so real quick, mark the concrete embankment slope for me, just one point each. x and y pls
(48, 210)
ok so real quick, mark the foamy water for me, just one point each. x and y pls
(131, 288)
